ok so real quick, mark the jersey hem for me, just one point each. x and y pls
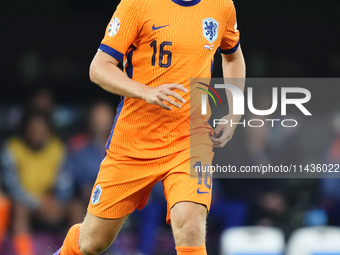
(158, 153)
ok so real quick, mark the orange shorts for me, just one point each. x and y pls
(124, 183)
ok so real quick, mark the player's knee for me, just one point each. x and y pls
(188, 222)
(191, 228)
(92, 247)
(191, 225)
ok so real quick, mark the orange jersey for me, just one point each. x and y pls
(165, 41)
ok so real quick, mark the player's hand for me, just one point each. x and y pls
(226, 129)
(163, 93)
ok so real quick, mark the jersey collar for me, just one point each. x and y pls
(186, 3)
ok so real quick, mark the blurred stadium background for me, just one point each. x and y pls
(46, 49)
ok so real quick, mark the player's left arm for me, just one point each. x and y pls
(234, 68)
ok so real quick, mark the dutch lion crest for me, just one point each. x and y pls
(210, 29)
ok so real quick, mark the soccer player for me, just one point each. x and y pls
(162, 43)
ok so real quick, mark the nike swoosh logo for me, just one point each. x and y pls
(156, 28)
(201, 192)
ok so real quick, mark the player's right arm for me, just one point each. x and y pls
(123, 29)
(105, 73)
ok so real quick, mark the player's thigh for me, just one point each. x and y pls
(184, 183)
(99, 233)
(123, 184)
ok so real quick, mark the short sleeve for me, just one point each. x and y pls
(122, 30)
(231, 37)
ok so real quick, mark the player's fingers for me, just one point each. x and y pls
(176, 86)
(175, 95)
(222, 141)
(218, 130)
(215, 140)
(220, 144)
(217, 145)
(164, 106)
(169, 100)
(225, 136)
